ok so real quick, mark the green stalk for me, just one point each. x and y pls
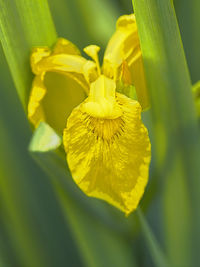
(175, 126)
(24, 24)
(153, 245)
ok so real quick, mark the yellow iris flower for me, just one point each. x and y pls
(107, 145)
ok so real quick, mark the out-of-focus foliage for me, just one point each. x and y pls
(189, 21)
(44, 218)
(175, 127)
(196, 95)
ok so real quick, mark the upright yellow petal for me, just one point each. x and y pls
(109, 158)
(124, 46)
(70, 65)
(61, 83)
(123, 42)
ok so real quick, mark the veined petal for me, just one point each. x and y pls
(124, 46)
(109, 158)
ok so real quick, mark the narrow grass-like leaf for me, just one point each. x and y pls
(12, 211)
(175, 125)
(111, 248)
(24, 24)
(158, 256)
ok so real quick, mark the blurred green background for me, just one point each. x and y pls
(46, 221)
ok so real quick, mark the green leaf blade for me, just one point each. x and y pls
(175, 132)
(158, 256)
(24, 24)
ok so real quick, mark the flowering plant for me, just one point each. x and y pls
(107, 145)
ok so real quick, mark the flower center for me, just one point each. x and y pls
(105, 129)
(101, 102)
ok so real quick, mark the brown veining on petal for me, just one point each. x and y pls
(106, 129)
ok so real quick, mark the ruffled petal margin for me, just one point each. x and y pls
(109, 158)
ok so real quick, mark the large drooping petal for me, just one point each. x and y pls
(109, 158)
(123, 47)
(61, 83)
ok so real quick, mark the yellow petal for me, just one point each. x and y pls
(53, 98)
(92, 51)
(124, 46)
(125, 74)
(62, 82)
(38, 53)
(109, 158)
(123, 42)
(90, 71)
(68, 65)
(64, 46)
(65, 58)
(35, 110)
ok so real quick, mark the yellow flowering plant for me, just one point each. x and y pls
(107, 146)
(90, 107)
